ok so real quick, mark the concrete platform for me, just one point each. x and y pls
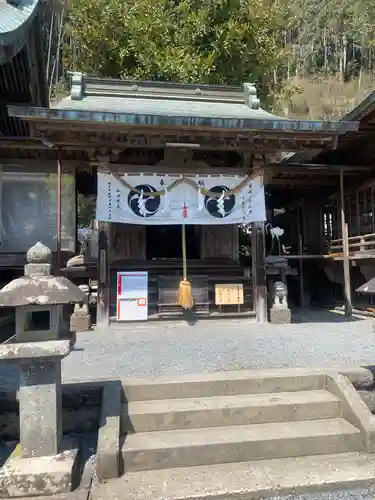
(222, 417)
(39, 476)
(224, 384)
(80, 494)
(190, 413)
(184, 448)
(232, 417)
(255, 480)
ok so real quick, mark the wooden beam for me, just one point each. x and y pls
(87, 146)
(317, 166)
(228, 145)
(188, 169)
(62, 124)
(12, 144)
(324, 170)
(333, 174)
(307, 182)
(32, 163)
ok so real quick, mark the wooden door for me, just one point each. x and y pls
(220, 242)
(128, 241)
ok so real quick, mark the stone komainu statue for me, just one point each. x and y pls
(280, 295)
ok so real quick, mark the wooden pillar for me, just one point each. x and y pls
(259, 271)
(235, 242)
(58, 211)
(1, 215)
(104, 278)
(345, 244)
(311, 222)
(299, 212)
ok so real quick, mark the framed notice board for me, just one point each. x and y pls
(229, 294)
(132, 296)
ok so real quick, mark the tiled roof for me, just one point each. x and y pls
(169, 104)
(14, 88)
(168, 107)
(15, 17)
(17, 23)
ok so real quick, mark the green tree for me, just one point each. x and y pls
(208, 41)
(333, 37)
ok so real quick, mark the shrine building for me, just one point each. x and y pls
(185, 179)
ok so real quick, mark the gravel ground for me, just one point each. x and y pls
(316, 339)
(368, 494)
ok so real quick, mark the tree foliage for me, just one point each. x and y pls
(331, 37)
(293, 50)
(207, 41)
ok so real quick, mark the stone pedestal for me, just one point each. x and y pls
(40, 408)
(280, 312)
(39, 476)
(280, 316)
(80, 320)
(40, 465)
(80, 323)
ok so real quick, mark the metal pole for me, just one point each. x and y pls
(345, 244)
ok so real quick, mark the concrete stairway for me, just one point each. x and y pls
(209, 429)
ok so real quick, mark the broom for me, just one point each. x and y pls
(185, 292)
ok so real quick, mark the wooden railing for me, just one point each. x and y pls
(364, 243)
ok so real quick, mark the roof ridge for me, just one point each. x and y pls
(84, 86)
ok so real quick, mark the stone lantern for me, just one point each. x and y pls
(42, 338)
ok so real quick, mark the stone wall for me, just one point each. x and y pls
(81, 411)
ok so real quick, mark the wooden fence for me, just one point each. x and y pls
(363, 244)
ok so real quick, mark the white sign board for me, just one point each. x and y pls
(132, 296)
(202, 199)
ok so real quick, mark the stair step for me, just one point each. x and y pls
(219, 411)
(205, 446)
(258, 479)
(224, 384)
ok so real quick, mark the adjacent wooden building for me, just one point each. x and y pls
(343, 235)
(134, 128)
(22, 82)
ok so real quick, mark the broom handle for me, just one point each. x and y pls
(184, 263)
